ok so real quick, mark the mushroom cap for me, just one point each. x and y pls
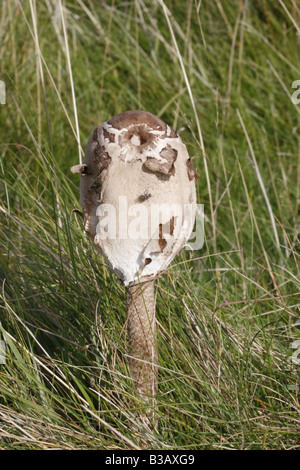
(137, 191)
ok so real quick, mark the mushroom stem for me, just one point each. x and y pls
(142, 339)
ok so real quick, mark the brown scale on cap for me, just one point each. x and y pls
(165, 167)
(192, 174)
(102, 158)
(108, 135)
(128, 118)
(138, 124)
(90, 204)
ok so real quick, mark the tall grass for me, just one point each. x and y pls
(221, 74)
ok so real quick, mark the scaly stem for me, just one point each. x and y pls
(142, 339)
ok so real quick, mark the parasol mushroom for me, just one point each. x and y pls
(138, 197)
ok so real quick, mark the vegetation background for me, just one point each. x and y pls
(221, 73)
